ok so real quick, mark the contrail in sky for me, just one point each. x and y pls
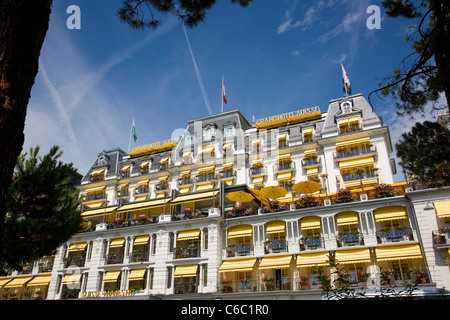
(59, 105)
(197, 72)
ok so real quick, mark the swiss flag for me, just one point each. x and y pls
(223, 91)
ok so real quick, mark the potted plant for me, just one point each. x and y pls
(245, 283)
(363, 276)
(137, 255)
(417, 276)
(383, 190)
(304, 282)
(445, 229)
(344, 195)
(269, 281)
(386, 276)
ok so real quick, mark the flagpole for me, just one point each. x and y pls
(131, 131)
(221, 98)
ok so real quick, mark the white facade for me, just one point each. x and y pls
(140, 238)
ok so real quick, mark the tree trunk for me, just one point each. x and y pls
(23, 26)
(442, 45)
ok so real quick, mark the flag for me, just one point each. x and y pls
(133, 131)
(224, 98)
(345, 82)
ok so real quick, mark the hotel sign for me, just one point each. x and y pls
(156, 146)
(102, 294)
(289, 117)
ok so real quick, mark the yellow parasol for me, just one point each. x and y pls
(306, 187)
(273, 192)
(240, 196)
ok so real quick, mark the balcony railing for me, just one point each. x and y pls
(441, 238)
(253, 172)
(355, 152)
(311, 243)
(187, 252)
(349, 240)
(284, 167)
(395, 235)
(310, 162)
(239, 250)
(362, 176)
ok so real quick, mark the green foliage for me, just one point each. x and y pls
(42, 208)
(425, 152)
(139, 14)
(424, 74)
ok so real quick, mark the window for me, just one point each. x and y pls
(189, 139)
(208, 134)
(346, 107)
(228, 131)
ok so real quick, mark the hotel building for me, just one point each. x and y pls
(160, 221)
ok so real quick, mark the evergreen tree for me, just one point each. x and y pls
(425, 152)
(42, 208)
(424, 74)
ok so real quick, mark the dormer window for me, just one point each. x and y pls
(346, 107)
(228, 131)
(208, 133)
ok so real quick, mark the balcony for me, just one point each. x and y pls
(185, 181)
(284, 166)
(139, 255)
(349, 129)
(311, 243)
(312, 162)
(114, 258)
(275, 246)
(206, 177)
(441, 237)
(349, 239)
(354, 152)
(392, 235)
(189, 251)
(257, 171)
(239, 250)
(362, 176)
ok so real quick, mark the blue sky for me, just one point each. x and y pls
(276, 56)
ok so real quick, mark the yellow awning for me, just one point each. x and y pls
(185, 189)
(187, 153)
(185, 173)
(390, 213)
(137, 274)
(227, 145)
(117, 243)
(188, 234)
(254, 141)
(141, 197)
(282, 136)
(97, 212)
(73, 278)
(164, 160)
(111, 276)
(206, 169)
(307, 131)
(366, 161)
(227, 166)
(310, 152)
(276, 262)
(163, 178)
(229, 182)
(257, 161)
(276, 226)
(237, 265)
(186, 271)
(400, 252)
(442, 209)
(123, 185)
(143, 205)
(205, 186)
(312, 171)
(346, 218)
(258, 180)
(42, 280)
(125, 168)
(240, 231)
(312, 222)
(96, 204)
(312, 259)
(360, 255)
(282, 157)
(143, 182)
(207, 149)
(95, 172)
(77, 246)
(353, 142)
(97, 189)
(196, 197)
(141, 240)
(284, 176)
(18, 282)
(4, 281)
(144, 164)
